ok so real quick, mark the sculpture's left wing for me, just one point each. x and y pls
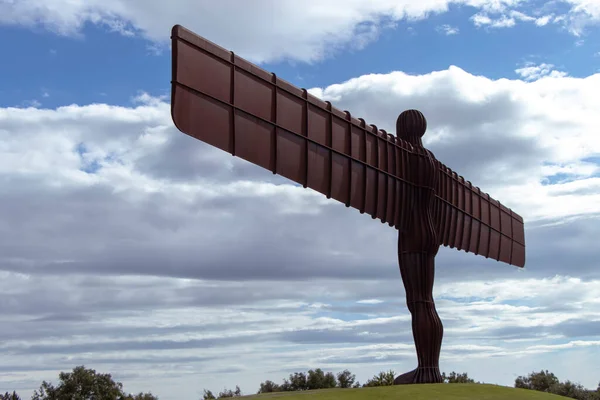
(470, 220)
(229, 103)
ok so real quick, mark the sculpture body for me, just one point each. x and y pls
(417, 246)
(225, 101)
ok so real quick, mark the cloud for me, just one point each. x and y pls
(583, 13)
(370, 301)
(32, 103)
(543, 21)
(447, 30)
(484, 20)
(532, 72)
(178, 260)
(279, 29)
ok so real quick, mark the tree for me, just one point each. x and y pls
(345, 379)
(317, 379)
(541, 381)
(286, 386)
(329, 381)
(81, 384)
(572, 390)
(208, 395)
(10, 396)
(298, 381)
(545, 381)
(453, 377)
(230, 393)
(383, 379)
(269, 387)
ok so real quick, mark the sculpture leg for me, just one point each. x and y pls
(417, 270)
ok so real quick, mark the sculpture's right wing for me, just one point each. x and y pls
(470, 220)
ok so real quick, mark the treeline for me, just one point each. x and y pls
(87, 384)
(82, 384)
(545, 381)
(316, 379)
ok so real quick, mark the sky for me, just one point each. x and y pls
(133, 249)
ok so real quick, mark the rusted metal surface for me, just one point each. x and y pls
(227, 102)
(418, 243)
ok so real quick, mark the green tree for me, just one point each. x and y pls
(329, 381)
(345, 379)
(298, 381)
(208, 395)
(383, 379)
(286, 386)
(269, 387)
(572, 390)
(453, 377)
(541, 381)
(81, 384)
(230, 393)
(10, 396)
(317, 379)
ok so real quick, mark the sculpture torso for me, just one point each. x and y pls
(419, 235)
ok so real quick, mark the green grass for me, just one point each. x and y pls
(454, 391)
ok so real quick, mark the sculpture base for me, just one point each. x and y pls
(420, 375)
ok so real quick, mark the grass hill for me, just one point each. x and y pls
(455, 391)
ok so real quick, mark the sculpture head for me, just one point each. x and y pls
(411, 126)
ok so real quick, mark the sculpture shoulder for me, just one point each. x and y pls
(430, 154)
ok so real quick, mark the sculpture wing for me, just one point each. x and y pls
(227, 102)
(470, 220)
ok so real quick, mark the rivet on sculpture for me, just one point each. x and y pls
(230, 103)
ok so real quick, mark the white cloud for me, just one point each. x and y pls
(174, 261)
(501, 22)
(32, 103)
(582, 14)
(370, 301)
(543, 21)
(533, 72)
(447, 29)
(279, 29)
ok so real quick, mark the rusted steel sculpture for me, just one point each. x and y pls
(227, 102)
